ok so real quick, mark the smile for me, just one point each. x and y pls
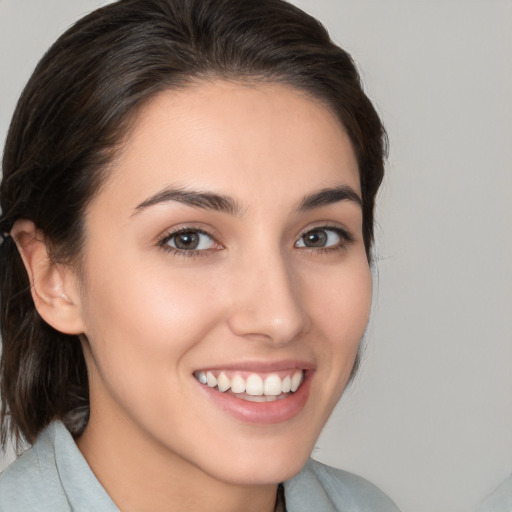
(253, 387)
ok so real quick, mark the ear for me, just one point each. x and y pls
(54, 287)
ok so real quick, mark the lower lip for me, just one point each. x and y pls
(262, 412)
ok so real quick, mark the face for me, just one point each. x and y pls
(226, 286)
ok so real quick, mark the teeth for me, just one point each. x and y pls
(237, 384)
(254, 386)
(249, 398)
(223, 382)
(211, 380)
(286, 385)
(272, 385)
(296, 380)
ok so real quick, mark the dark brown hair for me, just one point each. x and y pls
(76, 110)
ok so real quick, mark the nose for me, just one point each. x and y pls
(267, 301)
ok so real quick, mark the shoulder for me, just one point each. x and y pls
(321, 487)
(31, 482)
(500, 500)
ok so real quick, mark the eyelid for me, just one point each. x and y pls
(200, 227)
(163, 239)
(345, 235)
(343, 231)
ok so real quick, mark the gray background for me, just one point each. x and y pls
(429, 418)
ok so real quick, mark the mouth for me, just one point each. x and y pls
(253, 387)
(258, 395)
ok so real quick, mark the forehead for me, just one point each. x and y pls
(242, 139)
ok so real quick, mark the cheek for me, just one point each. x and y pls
(141, 321)
(342, 304)
(341, 314)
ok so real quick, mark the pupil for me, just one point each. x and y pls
(188, 240)
(315, 239)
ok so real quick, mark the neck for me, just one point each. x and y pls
(140, 475)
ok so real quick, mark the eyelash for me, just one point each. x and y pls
(345, 239)
(164, 240)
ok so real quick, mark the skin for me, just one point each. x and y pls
(152, 316)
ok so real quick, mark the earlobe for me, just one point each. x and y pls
(53, 286)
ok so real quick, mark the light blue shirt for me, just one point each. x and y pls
(53, 476)
(500, 500)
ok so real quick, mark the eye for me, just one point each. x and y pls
(321, 238)
(189, 240)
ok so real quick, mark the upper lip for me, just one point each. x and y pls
(263, 366)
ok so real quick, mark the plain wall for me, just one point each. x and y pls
(429, 418)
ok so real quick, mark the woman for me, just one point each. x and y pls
(187, 204)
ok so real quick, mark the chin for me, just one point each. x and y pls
(264, 463)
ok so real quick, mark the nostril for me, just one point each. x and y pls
(268, 304)
(268, 328)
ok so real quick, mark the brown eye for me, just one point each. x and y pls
(190, 240)
(317, 238)
(187, 241)
(321, 238)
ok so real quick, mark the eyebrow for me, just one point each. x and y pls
(222, 203)
(329, 196)
(195, 199)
